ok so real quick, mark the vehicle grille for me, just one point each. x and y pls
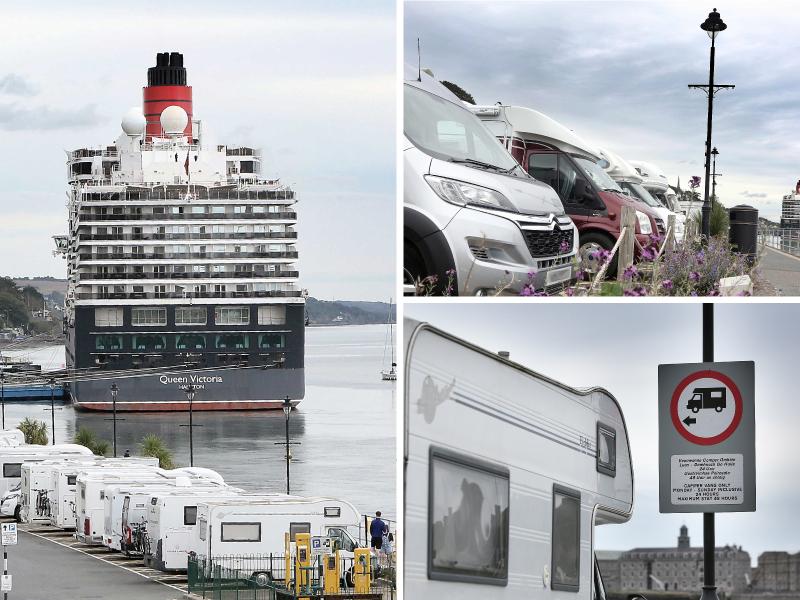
(548, 243)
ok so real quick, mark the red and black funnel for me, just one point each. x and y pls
(166, 86)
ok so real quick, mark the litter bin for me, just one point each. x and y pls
(743, 234)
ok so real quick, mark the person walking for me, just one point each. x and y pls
(376, 530)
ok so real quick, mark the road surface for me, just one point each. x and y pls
(782, 271)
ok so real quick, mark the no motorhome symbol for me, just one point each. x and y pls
(706, 407)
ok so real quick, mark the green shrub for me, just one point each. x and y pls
(154, 446)
(35, 431)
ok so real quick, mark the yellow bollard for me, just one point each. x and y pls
(302, 562)
(333, 574)
(363, 570)
(288, 560)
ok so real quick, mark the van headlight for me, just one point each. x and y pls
(463, 194)
(644, 223)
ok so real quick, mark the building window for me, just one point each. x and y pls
(269, 341)
(272, 314)
(148, 316)
(190, 341)
(232, 315)
(149, 342)
(606, 449)
(232, 341)
(108, 317)
(468, 501)
(190, 315)
(566, 539)
(108, 342)
(240, 532)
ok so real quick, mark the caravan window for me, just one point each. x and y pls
(189, 515)
(12, 470)
(295, 528)
(203, 523)
(71, 479)
(467, 519)
(241, 532)
(566, 539)
(606, 449)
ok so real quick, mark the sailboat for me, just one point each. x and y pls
(391, 373)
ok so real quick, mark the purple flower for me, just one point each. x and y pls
(569, 291)
(564, 247)
(580, 275)
(602, 255)
(531, 275)
(700, 257)
(635, 291)
(630, 272)
(450, 272)
(694, 276)
(656, 238)
(649, 253)
(667, 284)
(694, 182)
(527, 290)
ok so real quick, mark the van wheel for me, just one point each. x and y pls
(18, 514)
(413, 264)
(262, 578)
(591, 243)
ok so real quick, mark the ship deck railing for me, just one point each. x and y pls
(267, 235)
(188, 295)
(184, 255)
(192, 275)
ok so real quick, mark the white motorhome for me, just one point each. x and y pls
(11, 459)
(513, 508)
(63, 486)
(631, 182)
(256, 527)
(12, 437)
(125, 507)
(171, 518)
(655, 181)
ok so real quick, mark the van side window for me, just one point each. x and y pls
(71, 479)
(566, 539)
(606, 449)
(468, 502)
(189, 515)
(559, 173)
(240, 532)
(295, 528)
(203, 523)
(12, 470)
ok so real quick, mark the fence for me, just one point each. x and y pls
(786, 240)
(263, 577)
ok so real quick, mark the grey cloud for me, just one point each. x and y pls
(17, 85)
(36, 118)
(747, 194)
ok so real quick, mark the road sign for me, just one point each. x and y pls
(706, 425)
(8, 533)
(321, 546)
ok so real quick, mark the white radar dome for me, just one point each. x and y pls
(133, 121)
(174, 120)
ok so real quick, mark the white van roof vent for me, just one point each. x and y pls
(504, 354)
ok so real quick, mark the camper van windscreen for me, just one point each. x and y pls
(189, 515)
(240, 532)
(566, 539)
(12, 470)
(467, 520)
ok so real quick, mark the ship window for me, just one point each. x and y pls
(12, 469)
(566, 539)
(468, 519)
(108, 342)
(240, 532)
(271, 340)
(199, 269)
(217, 229)
(606, 449)
(218, 210)
(258, 209)
(190, 342)
(190, 315)
(232, 341)
(272, 315)
(232, 315)
(198, 210)
(108, 317)
(148, 316)
(149, 342)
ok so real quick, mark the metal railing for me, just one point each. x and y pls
(184, 255)
(783, 239)
(188, 236)
(187, 295)
(183, 276)
(86, 216)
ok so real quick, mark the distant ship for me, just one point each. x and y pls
(181, 266)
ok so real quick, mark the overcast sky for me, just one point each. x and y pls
(311, 83)
(617, 74)
(619, 346)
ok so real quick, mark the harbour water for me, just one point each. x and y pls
(345, 426)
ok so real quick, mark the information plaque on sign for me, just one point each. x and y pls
(9, 534)
(706, 437)
(5, 583)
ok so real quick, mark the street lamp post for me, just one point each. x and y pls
(53, 408)
(713, 26)
(714, 154)
(190, 392)
(114, 390)
(3, 394)
(287, 410)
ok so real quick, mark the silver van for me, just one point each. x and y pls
(472, 216)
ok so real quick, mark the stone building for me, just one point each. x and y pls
(679, 568)
(777, 572)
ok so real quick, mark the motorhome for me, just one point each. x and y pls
(171, 517)
(63, 486)
(125, 507)
(554, 154)
(238, 527)
(12, 437)
(471, 216)
(629, 179)
(11, 459)
(513, 509)
(655, 181)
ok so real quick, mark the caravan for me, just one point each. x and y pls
(515, 507)
(11, 459)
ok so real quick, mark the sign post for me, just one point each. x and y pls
(8, 537)
(706, 441)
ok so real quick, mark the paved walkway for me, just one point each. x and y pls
(782, 271)
(44, 570)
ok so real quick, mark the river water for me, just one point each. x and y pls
(345, 426)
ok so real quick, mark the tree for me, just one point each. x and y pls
(154, 446)
(459, 91)
(87, 438)
(719, 218)
(35, 431)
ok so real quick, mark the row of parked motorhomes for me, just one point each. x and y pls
(131, 505)
(529, 210)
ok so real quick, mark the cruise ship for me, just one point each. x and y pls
(181, 263)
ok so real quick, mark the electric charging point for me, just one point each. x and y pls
(363, 570)
(333, 574)
(302, 561)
